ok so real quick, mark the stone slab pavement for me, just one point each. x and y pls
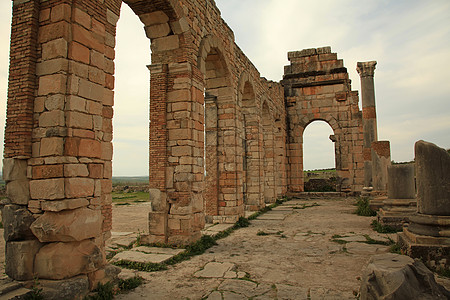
(293, 257)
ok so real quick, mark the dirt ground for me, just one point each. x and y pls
(297, 259)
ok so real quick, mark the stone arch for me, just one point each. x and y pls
(250, 138)
(63, 166)
(220, 133)
(322, 91)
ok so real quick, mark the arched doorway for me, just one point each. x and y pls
(319, 159)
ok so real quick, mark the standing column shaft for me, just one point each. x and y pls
(366, 72)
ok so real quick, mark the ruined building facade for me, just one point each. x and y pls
(211, 113)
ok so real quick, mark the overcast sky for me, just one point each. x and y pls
(410, 39)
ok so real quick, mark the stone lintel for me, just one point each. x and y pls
(366, 69)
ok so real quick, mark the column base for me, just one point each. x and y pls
(376, 203)
(396, 212)
(433, 251)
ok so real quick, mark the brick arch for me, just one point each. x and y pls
(209, 42)
(317, 87)
(67, 151)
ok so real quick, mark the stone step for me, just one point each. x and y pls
(16, 294)
(144, 254)
(7, 285)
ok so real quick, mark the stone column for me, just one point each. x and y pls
(401, 192)
(366, 72)
(428, 235)
(381, 159)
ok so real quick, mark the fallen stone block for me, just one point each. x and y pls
(393, 276)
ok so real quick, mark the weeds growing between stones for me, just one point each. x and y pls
(378, 227)
(363, 208)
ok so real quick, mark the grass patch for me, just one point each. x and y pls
(108, 290)
(260, 232)
(395, 248)
(378, 227)
(363, 208)
(136, 197)
(443, 272)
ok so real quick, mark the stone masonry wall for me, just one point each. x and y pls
(317, 87)
(210, 111)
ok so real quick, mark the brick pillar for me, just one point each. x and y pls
(158, 153)
(22, 79)
(366, 72)
(176, 145)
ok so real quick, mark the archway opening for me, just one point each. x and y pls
(131, 126)
(251, 177)
(215, 80)
(319, 158)
(269, 155)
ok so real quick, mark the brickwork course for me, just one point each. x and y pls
(211, 113)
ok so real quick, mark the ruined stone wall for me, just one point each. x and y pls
(58, 141)
(317, 87)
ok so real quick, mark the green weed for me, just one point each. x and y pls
(363, 208)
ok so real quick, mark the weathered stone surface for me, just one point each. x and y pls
(401, 184)
(363, 248)
(68, 226)
(393, 276)
(59, 205)
(107, 274)
(18, 191)
(20, 258)
(17, 221)
(48, 189)
(214, 270)
(73, 288)
(66, 260)
(433, 179)
(14, 169)
(141, 257)
(158, 200)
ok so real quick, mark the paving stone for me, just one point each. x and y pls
(214, 270)
(233, 296)
(125, 241)
(354, 238)
(288, 292)
(243, 287)
(114, 234)
(214, 229)
(131, 255)
(158, 250)
(273, 216)
(363, 248)
(216, 295)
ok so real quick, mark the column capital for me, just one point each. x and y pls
(366, 69)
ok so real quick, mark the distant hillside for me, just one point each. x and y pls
(129, 180)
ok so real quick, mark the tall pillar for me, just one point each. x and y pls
(428, 234)
(366, 71)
